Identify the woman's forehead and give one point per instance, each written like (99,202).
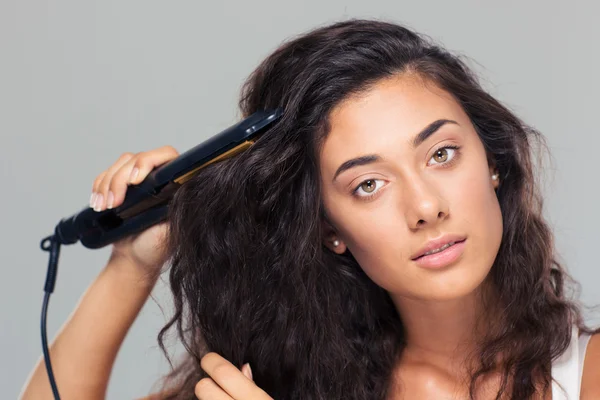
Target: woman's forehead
(392,112)
(406,103)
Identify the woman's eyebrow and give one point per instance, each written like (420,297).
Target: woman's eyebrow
(417,140)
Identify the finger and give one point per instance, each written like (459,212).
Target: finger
(147,161)
(247,371)
(231,379)
(114,184)
(96,188)
(121,179)
(207,389)
(137,169)
(102,188)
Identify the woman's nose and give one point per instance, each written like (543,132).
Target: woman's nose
(423,203)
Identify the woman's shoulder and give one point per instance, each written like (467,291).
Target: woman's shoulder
(576,372)
(590,380)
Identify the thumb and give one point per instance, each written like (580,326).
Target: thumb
(247,371)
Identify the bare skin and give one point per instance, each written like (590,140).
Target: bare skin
(419,194)
(417,199)
(115,297)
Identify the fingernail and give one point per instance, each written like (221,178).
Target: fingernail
(249,370)
(134,174)
(98,202)
(110,199)
(92,199)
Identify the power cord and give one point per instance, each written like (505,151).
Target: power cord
(52,245)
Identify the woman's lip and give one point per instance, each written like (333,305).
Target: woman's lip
(443,258)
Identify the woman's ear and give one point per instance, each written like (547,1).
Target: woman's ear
(493,169)
(331,238)
(494,177)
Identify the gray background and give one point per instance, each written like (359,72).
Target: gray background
(82,82)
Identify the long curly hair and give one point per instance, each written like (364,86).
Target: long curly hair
(252,280)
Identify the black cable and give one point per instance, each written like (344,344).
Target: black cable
(45,346)
(52,245)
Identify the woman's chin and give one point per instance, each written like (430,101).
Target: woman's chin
(453,285)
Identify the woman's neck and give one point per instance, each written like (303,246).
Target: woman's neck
(446,334)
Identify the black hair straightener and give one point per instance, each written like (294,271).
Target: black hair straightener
(146,203)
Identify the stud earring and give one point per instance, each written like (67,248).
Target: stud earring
(336,243)
(495,176)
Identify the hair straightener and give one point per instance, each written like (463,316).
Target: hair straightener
(145,204)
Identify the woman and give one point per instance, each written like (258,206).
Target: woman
(384,240)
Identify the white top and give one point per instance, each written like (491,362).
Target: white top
(568,368)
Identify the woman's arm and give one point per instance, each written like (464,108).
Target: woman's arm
(85,349)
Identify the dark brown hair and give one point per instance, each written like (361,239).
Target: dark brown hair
(252,280)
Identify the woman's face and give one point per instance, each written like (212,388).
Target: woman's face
(420,190)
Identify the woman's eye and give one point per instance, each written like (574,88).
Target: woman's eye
(444,154)
(370,187)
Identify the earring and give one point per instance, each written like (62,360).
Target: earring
(336,243)
(495,176)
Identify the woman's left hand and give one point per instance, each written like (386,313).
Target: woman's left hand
(226,382)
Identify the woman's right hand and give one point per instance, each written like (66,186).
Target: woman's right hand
(144,250)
